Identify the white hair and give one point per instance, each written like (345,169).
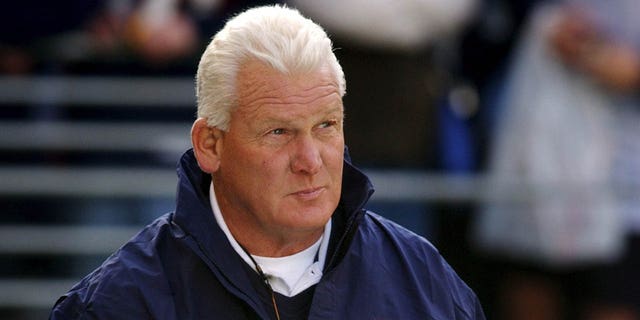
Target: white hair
(276,35)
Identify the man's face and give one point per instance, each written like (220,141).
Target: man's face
(281,160)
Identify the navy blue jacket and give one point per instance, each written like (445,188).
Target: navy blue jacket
(183,267)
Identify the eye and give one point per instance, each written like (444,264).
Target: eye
(278,131)
(328,123)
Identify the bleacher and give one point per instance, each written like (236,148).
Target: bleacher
(86,161)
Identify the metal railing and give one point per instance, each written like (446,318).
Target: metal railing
(119,92)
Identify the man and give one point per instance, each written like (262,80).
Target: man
(269,220)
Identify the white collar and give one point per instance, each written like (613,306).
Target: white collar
(288,275)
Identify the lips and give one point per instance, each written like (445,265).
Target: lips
(309,194)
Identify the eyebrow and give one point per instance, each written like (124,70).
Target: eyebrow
(336,108)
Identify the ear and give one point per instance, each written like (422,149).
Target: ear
(207,145)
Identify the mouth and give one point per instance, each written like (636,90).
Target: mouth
(309,194)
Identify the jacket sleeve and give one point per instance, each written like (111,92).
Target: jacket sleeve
(467,303)
(96,298)
(479,313)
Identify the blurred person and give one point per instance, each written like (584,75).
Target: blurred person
(28,24)
(161,33)
(602,43)
(569,133)
(54,36)
(486,44)
(270,220)
(107,36)
(157,31)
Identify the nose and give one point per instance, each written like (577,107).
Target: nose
(306,158)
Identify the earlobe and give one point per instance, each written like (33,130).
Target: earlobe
(207,145)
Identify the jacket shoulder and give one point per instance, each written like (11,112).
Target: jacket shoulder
(129,284)
(418,261)
(384,232)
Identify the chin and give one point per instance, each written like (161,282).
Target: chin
(310,219)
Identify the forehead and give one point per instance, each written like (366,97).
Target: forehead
(259,85)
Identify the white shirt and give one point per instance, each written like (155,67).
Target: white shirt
(288,275)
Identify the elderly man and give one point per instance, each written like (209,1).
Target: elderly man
(270,220)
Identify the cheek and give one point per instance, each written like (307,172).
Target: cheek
(272,163)
(270,171)
(335,156)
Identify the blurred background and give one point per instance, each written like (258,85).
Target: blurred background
(506,132)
